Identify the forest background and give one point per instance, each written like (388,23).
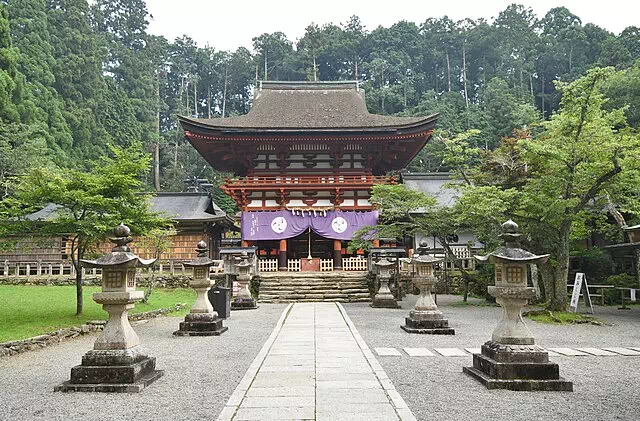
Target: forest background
(76,77)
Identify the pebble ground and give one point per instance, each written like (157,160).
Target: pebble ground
(202,373)
(434,388)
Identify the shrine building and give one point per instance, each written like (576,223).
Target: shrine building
(305,158)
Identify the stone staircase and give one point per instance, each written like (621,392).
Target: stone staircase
(286,287)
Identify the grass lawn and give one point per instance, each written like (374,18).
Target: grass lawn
(560,317)
(27,311)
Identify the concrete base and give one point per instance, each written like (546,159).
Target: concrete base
(437,331)
(201,325)
(243,304)
(437,326)
(516,367)
(119,371)
(554,385)
(384,303)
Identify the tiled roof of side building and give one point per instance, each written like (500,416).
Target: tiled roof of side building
(433,184)
(309,106)
(179,206)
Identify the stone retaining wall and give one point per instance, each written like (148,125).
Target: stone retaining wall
(164,281)
(51,338)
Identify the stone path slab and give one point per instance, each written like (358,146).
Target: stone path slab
(419,352)
(624,351)
(451,352)
(597,351)
(387,352)
(316,366)
(568,352)
(473,350)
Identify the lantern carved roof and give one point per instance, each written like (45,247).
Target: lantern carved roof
(121,254)
(423,256)
(511,252)
(203,256)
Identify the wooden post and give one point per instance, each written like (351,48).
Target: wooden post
(282,255)
(28,272)
(337,255)
(171,268)
(6,268)
(39,268)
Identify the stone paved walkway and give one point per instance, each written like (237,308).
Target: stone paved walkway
(315,366)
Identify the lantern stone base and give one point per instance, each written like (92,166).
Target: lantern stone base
(112,371)
(201,324)
(384,302)
(518,368)
(434,324)
(243,303)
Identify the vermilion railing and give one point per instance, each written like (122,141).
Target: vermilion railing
(309,181)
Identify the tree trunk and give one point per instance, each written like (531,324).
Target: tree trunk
(195,97)
(79,302)
(533,98)
(315,69)
(224,91)
(436,79)
(558,299)
(156,146)
(448,72)
(149,290)
(265,66)
(464,74)
(547,274)
(542,95)
(636,255)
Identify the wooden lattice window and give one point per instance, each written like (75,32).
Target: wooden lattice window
(131,279)
(199,273)
(113,279)
(498,273)
(515,274)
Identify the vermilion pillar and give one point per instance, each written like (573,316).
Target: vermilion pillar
(244,243)
(282,255)
(376,243)
(337,255)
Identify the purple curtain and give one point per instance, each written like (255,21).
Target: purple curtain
(277,225)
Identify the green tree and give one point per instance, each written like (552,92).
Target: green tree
(88,203)
(30,33)
(78,75)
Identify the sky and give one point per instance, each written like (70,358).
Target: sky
(227,25)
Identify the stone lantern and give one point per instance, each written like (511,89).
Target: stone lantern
(244,300)
(425,317)
(117,363)
(511,360)
(384,298)
(202,320)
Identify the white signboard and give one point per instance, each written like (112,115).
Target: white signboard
(580,285)
(577,286)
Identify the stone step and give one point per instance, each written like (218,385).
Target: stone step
(310,281)
(321,282)
(360,293)
(313,287)
(320,285)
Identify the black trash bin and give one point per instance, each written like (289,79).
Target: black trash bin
(219,298)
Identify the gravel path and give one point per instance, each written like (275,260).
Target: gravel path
(435,388)
(200,374)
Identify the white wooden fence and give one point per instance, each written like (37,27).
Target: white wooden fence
(293,265)
(326,265)
(268,265)
(354,264)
